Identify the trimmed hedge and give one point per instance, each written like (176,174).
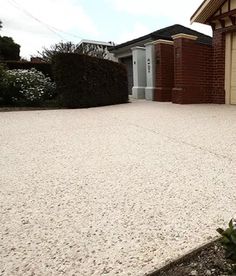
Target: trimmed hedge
(45,68)
(84,81)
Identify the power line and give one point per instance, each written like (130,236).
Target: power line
(49,27)
(15,4)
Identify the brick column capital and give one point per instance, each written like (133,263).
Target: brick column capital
(186,36)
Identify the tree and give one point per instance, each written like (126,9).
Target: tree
(9,50)
(61,47)
(69,47)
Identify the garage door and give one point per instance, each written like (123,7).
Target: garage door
(233,71)
(129,65)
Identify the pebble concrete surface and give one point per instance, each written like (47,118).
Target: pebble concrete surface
(116,190)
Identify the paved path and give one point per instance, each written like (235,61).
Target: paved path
(117,190)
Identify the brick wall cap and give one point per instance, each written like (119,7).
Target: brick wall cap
(177,36)
(162,41)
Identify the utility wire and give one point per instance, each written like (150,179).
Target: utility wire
(15,4)
(49,27)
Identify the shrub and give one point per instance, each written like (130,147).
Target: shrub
(7,91)
(3,87)
(45,68)
(10,91)
(84,81)
(3,74)
(229,240)
(28,87)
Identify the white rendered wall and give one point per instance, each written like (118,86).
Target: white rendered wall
(150,71)
(139,71)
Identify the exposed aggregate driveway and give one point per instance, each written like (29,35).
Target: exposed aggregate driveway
(117,190)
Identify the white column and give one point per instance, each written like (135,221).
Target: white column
(139,71)
(150,71)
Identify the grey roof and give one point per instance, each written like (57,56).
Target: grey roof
(166,33)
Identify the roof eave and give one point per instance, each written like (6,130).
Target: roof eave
(138,42)
(206,9)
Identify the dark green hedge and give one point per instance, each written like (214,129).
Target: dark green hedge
(84,81)
(45,68)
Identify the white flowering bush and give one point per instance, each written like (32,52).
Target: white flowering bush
(6,92)
(29,86)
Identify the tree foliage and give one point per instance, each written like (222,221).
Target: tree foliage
(69,47)
(9,50)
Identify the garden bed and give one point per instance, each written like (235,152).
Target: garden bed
(47,105)
(8,109)
(207,260)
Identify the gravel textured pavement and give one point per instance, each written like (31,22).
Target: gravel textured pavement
(116,190)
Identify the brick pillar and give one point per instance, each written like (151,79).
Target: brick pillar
(193,70)
(218,92)
(164,52)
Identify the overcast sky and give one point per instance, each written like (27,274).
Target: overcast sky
(37,23)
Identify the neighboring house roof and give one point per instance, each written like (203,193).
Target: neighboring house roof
(206,9)
(165,33)
(109,44)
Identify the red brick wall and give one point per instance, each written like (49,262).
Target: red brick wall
(193,72)
(218,91)
(164,72)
